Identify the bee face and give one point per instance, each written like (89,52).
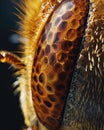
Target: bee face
(61,64)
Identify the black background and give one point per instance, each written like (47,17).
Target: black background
(10,112)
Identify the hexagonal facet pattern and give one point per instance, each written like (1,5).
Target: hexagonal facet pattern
(55,59)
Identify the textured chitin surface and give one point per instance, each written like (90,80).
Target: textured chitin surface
(85,101)
(55,59)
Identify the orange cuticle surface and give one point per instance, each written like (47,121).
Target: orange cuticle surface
(55,59)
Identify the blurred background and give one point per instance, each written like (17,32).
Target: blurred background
(10,112)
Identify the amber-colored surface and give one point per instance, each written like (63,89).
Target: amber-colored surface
(54,60)
(7,57)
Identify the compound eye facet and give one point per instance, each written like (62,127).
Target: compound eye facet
(60,41)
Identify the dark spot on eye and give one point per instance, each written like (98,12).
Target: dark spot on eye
(62,76)
(67,15)
(33,70)
(60,87)
(57,37)
(47,103)
(43,37)
(33,88)
(52,59)
(52,98)
(55,46)
(57,21)
(45,60)
(35,60)
(62,26)
(37,98)
(42,78)
(66,45)
(57,67)
(35,78)
(49,88)
(38,68)
(61,57)
(38,50)
(47,49)
(39,89)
